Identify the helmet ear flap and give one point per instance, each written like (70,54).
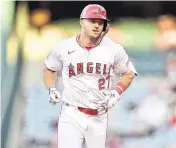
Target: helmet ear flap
(105,25)
(105,31)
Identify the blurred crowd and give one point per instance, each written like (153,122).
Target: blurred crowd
(166,38)
(39,34)
(152,116)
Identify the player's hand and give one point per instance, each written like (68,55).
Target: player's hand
(112,97)
(54,96)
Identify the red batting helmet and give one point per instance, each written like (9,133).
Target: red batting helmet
(95,11)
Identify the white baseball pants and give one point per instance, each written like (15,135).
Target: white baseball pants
(76,129)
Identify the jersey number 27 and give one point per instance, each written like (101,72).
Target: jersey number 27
(102,81)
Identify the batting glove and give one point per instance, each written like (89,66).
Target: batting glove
(54,96)
(113,97)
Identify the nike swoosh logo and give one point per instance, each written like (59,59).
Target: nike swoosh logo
(69,52)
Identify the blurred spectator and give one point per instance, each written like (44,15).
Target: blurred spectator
(41,35)
(166,38)
(40,17)
(152,111)
(156,108)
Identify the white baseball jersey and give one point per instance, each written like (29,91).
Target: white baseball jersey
(87,73)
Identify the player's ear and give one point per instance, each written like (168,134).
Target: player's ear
(81,22)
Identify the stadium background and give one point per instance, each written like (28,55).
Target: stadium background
(146,115)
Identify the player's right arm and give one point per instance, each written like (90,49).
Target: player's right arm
(52,64)
(49,77)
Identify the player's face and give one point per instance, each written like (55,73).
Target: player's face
(92,27)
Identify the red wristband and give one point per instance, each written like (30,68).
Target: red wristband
(120,88)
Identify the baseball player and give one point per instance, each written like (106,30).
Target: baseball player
(88,63)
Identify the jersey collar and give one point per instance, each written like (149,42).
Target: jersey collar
(96,44)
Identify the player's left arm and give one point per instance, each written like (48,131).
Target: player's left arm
(124,67)
(124,82)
